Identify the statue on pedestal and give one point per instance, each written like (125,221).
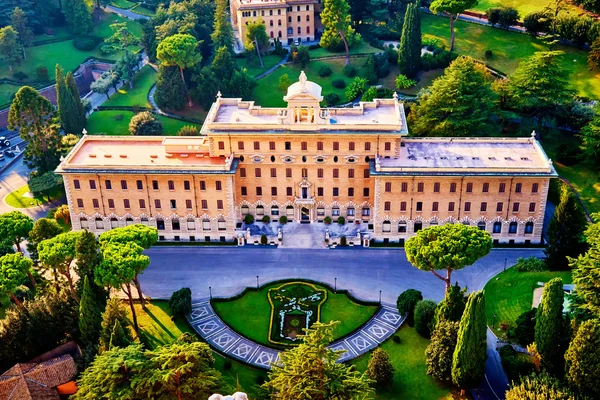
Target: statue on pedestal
(235,396)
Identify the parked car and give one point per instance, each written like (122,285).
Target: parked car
(10,153)
(297,42)
(1,156)
(4,142)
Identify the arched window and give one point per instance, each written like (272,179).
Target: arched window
(512,227)
(278,22)
(350,212)
(84,223)
(221,224)
(99,223)
(497,227)
(279,34)
(271,34)
(274,210)
(144,221)
(417,226)
(114,223)
(191,224)
(387,226)
(529,227)
(402,227)
(433,223)
(290,31)
(299,30)
(260,210)
(366,211)
(481,225)
(206,224)
(245,210)
(308,17)
(289,210)
(308,29)
(466,223)
(128,221)
(335,212)
(271,23)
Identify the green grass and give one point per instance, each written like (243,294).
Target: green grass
(361,48)
(254,69)
(6,93)
(426,78)
(410,378)
(141,9)
(255,307)
(17,198)
(160,329)
(138,96)
(267,93)
(510,293)
(125,4)
(104,123)
(509,48)
(524,7)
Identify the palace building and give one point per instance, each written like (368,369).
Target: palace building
(288,20)
(308,163)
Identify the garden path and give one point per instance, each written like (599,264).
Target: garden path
(125,13)
(209,326)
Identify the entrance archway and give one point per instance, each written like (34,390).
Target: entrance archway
(305,215)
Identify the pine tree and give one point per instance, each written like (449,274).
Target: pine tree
(565,232)
(583,359)
(118,337)
(89,315)
(115,312)
(409,54)
(64,99)
(550,327)
(380,368)
(370,73)
(20,22)
(441,348)
(78,16)
(79,119)
(590,138)
(223,66)
(335,18)
(222,30)
(10,49)
(468,360)
(170,91)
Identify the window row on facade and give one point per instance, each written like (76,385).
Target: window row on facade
(497,227)
(158,205)
(287,146)
(469,187)
(289,191)
(335,173)
(274,210)
(263,13)
(139,185)
(174,224)
(435,206)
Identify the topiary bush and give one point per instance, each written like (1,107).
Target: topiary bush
(349,71)
(283,220)
(325,71)
(530,264)
(266,219)
(338,83)
(341,220)
(406,303)
(331,99)
(396,339)
(424,314)
(181,302)
(86,43)
(327,220)
(263,239)
(343,241)
(249,219)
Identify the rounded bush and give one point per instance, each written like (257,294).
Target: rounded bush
(266,219)
(331,99)
(283,220)
(327,220)
(145,124)
(181,302)
(325,70)
(406,303)
(338,83)
(349,71)
(263,239)
(249,219)
(341,220)
(343,241)
(86,43)
(424,314)
(20,76)
(489,54)
(396,339)
(530,264)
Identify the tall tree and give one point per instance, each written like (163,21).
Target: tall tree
(566,231)
(380,368)
(122,38)
(90,316)
(57,254)
(20,22)
(441,349)
(14,268)
(256,40)
(311,370)
(179,50)
(15,227)
(452,8)
(43,228)
(79,109)
(335,18)
(468,360)
(447,247)
(170,89)
(119,267)
(424,316)
(64,100)
(407,302)
(223,65)
(538,386)
(583,359)
(586,277)
(409,53)
(79,16)
(459,103)
(33,115)
(222,35)
(453,305)
(549,326)
(590,138)
(114,313)
(10,49)
(87,255)
(118,337)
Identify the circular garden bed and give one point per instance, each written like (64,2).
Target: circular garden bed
(277,312)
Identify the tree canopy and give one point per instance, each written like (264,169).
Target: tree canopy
(583,359)
(409,53)
(10,49)
(337,28)
(57,254)
(549,326)
(79,16)
(20,22)
(13,270)
(45,184)
(538,386)
(222,35)
(453,8)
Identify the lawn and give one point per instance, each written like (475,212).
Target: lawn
(426,78)
(509,48)
(410,378)
(107,123)
(510,293)
(362,48)
(123,4)
(254,306)
(268,94)
(6,93)
(141,9)
(254,69)
(138,96)
(524,7)
(160,329)
(21,198)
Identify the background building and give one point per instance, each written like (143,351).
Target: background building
(307,163)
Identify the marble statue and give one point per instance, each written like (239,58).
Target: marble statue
(235,396)
(303,80)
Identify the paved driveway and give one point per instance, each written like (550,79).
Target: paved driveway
(363,271)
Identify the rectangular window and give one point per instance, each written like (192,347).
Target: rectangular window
(242,173)
(256,145)
(288,172)
(186,185)
(350,192)
(273,191)
(272,146)
(258,191)
(76,184)
(531,207)
(108,184)
(126,204)
(257,172)
(420,187)
(154,185)
(218,185)
(157,204)
(244,191)
(486,187)
(319,172)
(366,192)
(483,207)
(469,187)
(388,146)
(451,206)
(419,206)
(388,186)
(80,203)
(95,203)
(305,172)
(273,172)
(202,185)
(502,188)
(221,145)
(367,146)
(139,185)
(142,204)
(336,146)
(518,187)
(288,191)
(171,185)
(515,207)
(535,187)
(404,188)
(320,191)
(288,145)
(304,146)
(204,204)
(319,146)
(240,145)
(188,204)
(336,173)
(219,204)
(351,173)
(453,187)
(351,146)
(175,225)
(436,187)
(434,206)
(402,206)
(467,206)
(499,207)
(387,206)
(111,203)
(336,191)
(367,173)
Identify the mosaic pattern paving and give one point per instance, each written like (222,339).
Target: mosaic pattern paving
(210,327)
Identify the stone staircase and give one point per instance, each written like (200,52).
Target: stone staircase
(303,236)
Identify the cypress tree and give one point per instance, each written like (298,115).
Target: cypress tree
(222,30)
(566,231)
(370,72)
(118,337)
(64,100)
(453,305)
(89,315)
(409,54)
(440,350)
(468,360)
(549,327)
(115,312)
(583,359)
(79,119)
(170,90)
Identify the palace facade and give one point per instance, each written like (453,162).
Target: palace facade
(308,163)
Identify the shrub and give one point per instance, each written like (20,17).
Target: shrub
(227,365)
(524,332)
(406,303)
(380,368)
(266,219)
(145,124)
(396,339)
(440,59)
(263,239)
(86,43)
(424,314)
(403,82)
(430,43)
(370,94)
(515,364)
(283,220)
(343,241)
(327,220)
(493,15)
(536,22)
(349,71)
(107,49)
(341,220)
(331,99)
(314,46)
(530,264)
(42,73)
(180,302)
(188,131)
(489,54)
(338,83)
(300,55)
(356,88)
(508,17)
(20,76)
(249,219)
(284,82)
(383,70)
(325,71)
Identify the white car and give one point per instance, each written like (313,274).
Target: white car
(297,42)
(4,142)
